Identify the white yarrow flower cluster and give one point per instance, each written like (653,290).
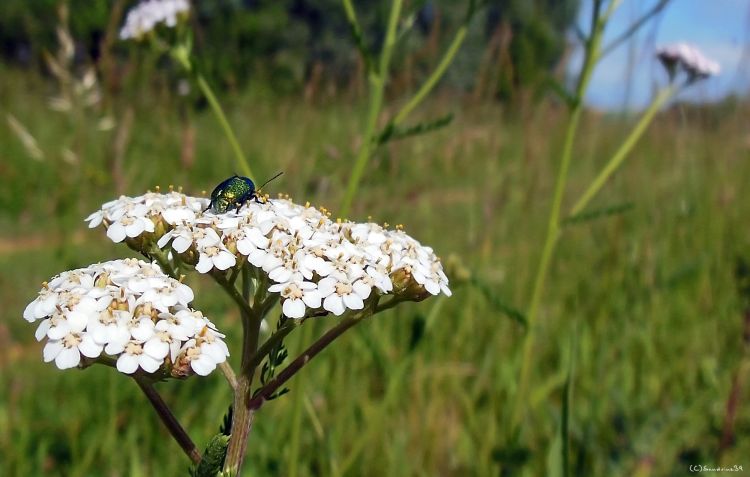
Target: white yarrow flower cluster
(145,16)
(316,265)
(126,311)
(683,57)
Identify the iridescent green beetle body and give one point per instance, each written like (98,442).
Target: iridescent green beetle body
(235,192)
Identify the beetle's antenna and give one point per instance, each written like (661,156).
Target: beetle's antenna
(269,180)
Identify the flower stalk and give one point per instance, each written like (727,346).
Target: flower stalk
(247,403)
(378,80)
(622,152)
(181,54)
(598,22)
(170,421)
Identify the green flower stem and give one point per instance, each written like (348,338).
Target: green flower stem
(181,54)
(224,123)
(428,85)
(236,272)
(553,226)
(272,341)
(169,420)
(161,258)
(378,81)
(625,148)
(233,294)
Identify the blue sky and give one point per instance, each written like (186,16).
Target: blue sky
(719,28)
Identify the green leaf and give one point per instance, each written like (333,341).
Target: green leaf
(213,458)
(391,132)
(588,215)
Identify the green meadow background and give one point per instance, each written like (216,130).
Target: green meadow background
(642,318)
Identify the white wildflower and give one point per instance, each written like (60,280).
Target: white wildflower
(295,295)
(302,252)
(145,16)
(124,310)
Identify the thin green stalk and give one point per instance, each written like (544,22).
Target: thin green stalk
(625,148)
(234,295)
(378,81)
(351,17)
(161,258)
(252,323)
(221,117)
(553,225)
(272,341)
(428,85)
(181,54)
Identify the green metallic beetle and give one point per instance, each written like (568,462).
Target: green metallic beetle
(235,192)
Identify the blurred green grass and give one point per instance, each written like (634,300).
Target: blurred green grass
(424,389)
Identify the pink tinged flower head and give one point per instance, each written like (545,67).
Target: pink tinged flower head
(687,58)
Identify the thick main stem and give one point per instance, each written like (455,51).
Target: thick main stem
(242,422)
(242,417)
(245,404)
(553,224)
(378,81)
(169,420)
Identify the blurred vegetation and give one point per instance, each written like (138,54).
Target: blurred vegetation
(296,44)
(643,339)
(424,389)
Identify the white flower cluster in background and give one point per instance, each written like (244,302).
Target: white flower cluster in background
(145,16)
(681,56)
(314,263)
(128,312)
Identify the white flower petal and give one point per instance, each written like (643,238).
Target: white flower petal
(89,347)
(68,358)
(116,232)
(334,304)
(156,348)
(353,302)
(127,363)
(203,365)
(51,350)
(293,308)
